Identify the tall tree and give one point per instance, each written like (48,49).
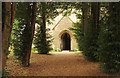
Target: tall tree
(32,30)
(109,40)
(8,11)
(46,11)
(26,27)
(86,31)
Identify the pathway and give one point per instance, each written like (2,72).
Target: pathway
(56,64)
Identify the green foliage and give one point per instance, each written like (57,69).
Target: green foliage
(90,47)
(21,34)
(90,43)
(46,11)
(86,43)
(21,41)
(109,41)
(34,50)
(78,34)
(49,9)
(42,46)
(109,47)
(104,46)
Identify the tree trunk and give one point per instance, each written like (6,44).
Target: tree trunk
(85,16)
(7,24)
(13,9)
(95,16)
(119,18)
(44,25)
(114,15)
(32,29)
(43,29)
(5,31)
(43,20)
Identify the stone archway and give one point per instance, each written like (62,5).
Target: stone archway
(65,41)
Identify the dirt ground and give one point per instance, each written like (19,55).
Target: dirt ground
(55,64)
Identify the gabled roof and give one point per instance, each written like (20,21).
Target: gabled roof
(60,21)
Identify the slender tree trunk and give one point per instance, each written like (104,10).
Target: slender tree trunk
(32,29)
(85,16)
(43,29)
(44,20)
(28,29)
(13,9)
(44,25)
(95,16)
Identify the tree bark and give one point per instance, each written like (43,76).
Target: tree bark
(32,30)
(13,9)
(114,15)
(85,17)
(5,31)
(43,28)
(32,27)
(8,18)
(95,16)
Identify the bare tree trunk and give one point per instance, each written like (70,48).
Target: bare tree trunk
(85,16)
(8,15)
(5,31)
(43,29)
(95,16)
(28,20)
(32,29)
(13,9)
(44,25)
(43,20)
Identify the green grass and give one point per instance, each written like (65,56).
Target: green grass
(35,51)
(78,52)
(52,51)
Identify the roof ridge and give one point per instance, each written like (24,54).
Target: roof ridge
(57,23)
(60,20)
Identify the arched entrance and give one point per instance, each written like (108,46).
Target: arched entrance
(65,41)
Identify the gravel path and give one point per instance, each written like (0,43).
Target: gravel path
(55,64)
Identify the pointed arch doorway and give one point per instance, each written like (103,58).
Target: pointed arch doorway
(65,41)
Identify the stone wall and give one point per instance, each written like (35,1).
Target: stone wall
(63,26)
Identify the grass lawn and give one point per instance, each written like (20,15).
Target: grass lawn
(78,52)
(51,51)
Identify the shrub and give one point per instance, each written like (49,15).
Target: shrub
(43,45)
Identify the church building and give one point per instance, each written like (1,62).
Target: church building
(63,37)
